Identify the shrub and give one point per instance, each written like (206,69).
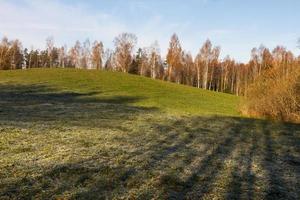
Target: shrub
(275,94)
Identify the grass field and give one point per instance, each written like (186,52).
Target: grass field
(75,134)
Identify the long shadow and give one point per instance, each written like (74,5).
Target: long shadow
(42,104)
(98,177)
(250,178)
(121,173)
(172,136)
(213,164)
(159,152)
(290,140)
(242,174)
(66,177)
(277,186)
(274,163)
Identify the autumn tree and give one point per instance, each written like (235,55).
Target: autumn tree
(266,58)
(174,57)
(124,46)
(97,55)
(275,93)
(5,54)
(205,71)
(74,54)
(11,54)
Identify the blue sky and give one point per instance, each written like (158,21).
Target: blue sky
(235,25)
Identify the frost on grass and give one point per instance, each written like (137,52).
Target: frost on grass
(77,146)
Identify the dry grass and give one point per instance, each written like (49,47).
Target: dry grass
(67,145)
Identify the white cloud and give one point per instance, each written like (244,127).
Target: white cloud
(36,20)
(32,21)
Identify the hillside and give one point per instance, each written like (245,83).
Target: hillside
(139,91)
(76,134)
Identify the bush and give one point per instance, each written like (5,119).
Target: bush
(275,94)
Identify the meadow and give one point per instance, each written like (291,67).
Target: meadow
(87,134)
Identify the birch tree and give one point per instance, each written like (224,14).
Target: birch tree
(124,46)
(86,54)
(174,58)
(108,59)
(188,69)
(76,54)
(62,56)
(155,60)
(97,55)
(50,47)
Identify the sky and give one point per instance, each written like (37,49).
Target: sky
(235,25)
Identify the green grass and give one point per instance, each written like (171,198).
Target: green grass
(140,91)
(77,134)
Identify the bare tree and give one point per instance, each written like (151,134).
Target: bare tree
(124,46)
(86,54)
(62,56)
(50,47)
(4,53)
(74,55)
(198,64)
(205,71)
(97,55)
(188,69)
(174,57)
(143,62)
(214,61)
(225,70)
(108,59)
(203,60)
(16,61)
(154,60)
(11,54)
(205,55)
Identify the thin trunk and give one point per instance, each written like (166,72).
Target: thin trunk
(205,76)
(198,77)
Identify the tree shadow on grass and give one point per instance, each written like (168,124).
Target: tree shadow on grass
(45,105)
(181,158)
(278,170)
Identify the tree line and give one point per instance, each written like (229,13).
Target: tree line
(206,70)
